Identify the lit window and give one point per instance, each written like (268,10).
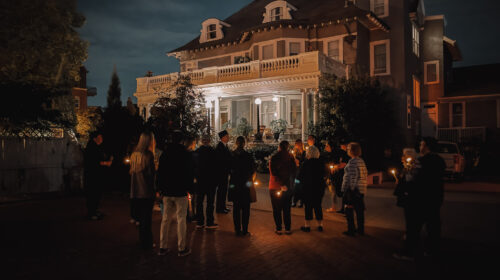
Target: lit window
(268,112)
(294,48)
(431,70)
(276,14)
(416,92)
(380,58)
(457,114)
(380,7)
(211,32)
(296,113)
(239,109)
(416,39)
(334,50)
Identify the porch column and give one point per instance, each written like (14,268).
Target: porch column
(304,114)
(217,115)
(316,106)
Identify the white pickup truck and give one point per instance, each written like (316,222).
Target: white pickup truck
(455,161)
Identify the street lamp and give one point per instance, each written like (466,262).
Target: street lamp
(258,136)
(208,105)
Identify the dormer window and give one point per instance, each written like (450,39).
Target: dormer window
(276,14)
(278,10)
(212,30)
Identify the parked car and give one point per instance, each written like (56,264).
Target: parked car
(455,161)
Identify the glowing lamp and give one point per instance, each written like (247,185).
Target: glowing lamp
(278,193)
(256,183)
(258,101)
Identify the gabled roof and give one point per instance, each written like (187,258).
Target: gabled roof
(309,12)
(475,80)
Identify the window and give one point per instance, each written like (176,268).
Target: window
(380,7)
(296,113)
(268,112)
(211,32)
(457,115)
(334,49)
(276,14)
(431,72)
(294,48)
(267,52)
(240,109)
(224,116)
(380,58)
(416,92)
(416,39)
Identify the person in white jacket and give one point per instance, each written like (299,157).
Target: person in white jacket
(354,189)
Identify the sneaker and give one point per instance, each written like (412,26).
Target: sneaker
(288,232)
(247,234)
(184,252)
(163,252)
(305,229)
(403,257)
(349,233)
(278,232)
(212,226)
(320,228)
(200,226)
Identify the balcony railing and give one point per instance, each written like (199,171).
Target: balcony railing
(462,134)
(310,62)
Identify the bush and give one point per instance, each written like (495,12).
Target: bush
(262,154)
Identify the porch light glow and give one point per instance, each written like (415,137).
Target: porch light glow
(258,101)
(275,99)
(208,105)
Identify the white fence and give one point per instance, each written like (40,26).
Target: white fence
(461,135)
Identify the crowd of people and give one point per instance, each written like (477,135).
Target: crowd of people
(186,179)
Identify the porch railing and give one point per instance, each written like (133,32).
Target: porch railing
(462,134)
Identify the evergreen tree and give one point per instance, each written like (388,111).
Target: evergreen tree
(114,92)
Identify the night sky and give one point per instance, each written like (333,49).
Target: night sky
(135,35)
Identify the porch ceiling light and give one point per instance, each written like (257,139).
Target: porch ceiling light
(258,101)
(275,98)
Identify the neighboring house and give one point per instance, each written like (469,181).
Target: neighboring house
(276,51)
(469,112)
(81,92)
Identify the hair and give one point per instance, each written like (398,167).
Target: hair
(284,145)
(177,137)
(312,137)
(138,159)
(355,149)
(240,142)
(431,143)
(312,152)
(298,141)
(205,140)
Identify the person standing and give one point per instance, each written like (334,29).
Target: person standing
(176,176)
(424,201)
(142,193)
(223,158)
(242,172)
(206,183)
(95,167)
(300,156)
(312,178)
(335,160)
(282,166)
(190,144)
(354,189)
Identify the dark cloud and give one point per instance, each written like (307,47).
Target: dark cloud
(135,35)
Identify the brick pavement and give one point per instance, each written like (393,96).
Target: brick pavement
(50,240)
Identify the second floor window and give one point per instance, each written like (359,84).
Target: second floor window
(416,39)
(211,32)
(334,50)
(380,7)
(267,52)
(380,58)
(431,72)
(294,48)
(276,14)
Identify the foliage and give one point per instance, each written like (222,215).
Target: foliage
(356,110)
(179,107)
(40,56)
(114,92)
(244,128)
(262,154)
(279,126)
(87,122)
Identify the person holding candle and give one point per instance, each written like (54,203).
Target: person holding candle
(242,173)
(312,178)
(282,166)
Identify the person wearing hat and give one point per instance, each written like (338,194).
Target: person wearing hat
(206,184)
(223,168)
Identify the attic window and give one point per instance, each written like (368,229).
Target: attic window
(276,14)
(278,10)
(212,32)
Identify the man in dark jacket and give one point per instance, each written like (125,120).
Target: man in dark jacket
(223,163)
(175,180)
(425,198)
(95,164)
(206,183)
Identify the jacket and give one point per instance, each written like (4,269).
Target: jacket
(176,171)
(242,170)
(282,167)
(428,187)
(355,175)
(205,168)
(223,160)
(312,179)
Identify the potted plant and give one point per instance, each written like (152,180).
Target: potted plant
(278,127)
(244,128)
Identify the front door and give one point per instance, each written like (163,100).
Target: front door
(429,120)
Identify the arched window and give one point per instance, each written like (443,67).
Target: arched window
(278,10)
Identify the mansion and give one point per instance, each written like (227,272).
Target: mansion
(273,53)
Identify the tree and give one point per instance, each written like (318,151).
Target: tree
(88,121)
(114,92)
(358,110)
(40,57)
(179,107)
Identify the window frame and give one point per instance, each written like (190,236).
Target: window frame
(415,36)
(417,91)
(339,48)
(278,16)
(211,32)
(438,77)
(387,57)
(386,8)
(273,46)
(290,48)
(289,111)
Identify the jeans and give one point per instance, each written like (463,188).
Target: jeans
(222,192)
(144,213)
(241,216)
(281,204)
(177,206)
(358,206)
(314,204)
(200,197)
